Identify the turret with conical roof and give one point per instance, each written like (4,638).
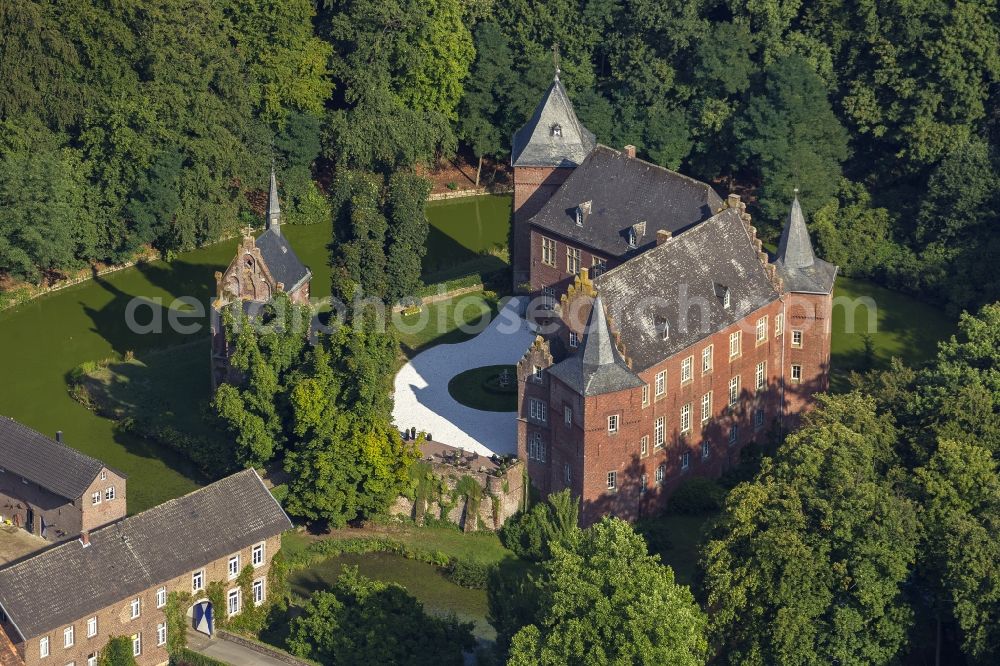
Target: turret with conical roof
(799,267)
(554,136)
(598,367)
(273,207)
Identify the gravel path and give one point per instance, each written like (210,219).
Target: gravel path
(421,387)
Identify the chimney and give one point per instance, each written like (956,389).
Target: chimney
(662,236)
(59,436)
(630,151)
(733,200)
(85,539)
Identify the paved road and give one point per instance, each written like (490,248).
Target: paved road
(421,387)
(228,652)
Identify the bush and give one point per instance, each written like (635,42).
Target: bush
(697,495)
(468,573)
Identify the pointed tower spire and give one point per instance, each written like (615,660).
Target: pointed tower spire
(598,348)
(273,208)
(555,58)
(795,249)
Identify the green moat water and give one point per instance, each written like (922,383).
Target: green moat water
(42,341)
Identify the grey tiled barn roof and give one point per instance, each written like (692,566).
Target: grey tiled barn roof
(69,582)
(796,262)
(281,259)
(536,144)
(624,191)
(39,459)
(598,367)
(696,267)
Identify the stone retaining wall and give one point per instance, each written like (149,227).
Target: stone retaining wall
(262,648)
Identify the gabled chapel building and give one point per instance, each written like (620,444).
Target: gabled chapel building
(670,339)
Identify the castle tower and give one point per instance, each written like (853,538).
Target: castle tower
(543,154)
(808,281)
(273,207)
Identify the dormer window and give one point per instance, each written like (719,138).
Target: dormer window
(726,298)
(557,130)
(665,330)
(662,326)
(632,240)
(582,211)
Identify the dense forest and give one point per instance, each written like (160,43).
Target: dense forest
(127,124)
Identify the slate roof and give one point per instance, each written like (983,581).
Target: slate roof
(37,458)
(281,259)
(796,262)
(694,268)
(598,367)
(536,145)
(624,191)
(68,581)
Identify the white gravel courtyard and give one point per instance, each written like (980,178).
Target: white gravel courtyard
(421,387)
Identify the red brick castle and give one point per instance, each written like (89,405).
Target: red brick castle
(670,338)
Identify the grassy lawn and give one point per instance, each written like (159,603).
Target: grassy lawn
(480,388)
(899,325)
(443,322)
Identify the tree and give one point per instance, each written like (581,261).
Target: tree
(357,258)
(406,238)
(532,534)
(790,131)
(961,497)
(481,117)
(605,600)
(362,621)
(809,561)
(117,652)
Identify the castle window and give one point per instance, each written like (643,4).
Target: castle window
(572,260)
(797,339)
(137,645)
(613,424)
(109,494)
(537,410)
(665,330)
(779,324)
(762,329)
(43,647)
(567,474)
(734,433)
(598,266)
(734,344)
(574,340)
(568,415)
(761,375)
(92,627)
(796,374)
(659,433)
(642,484)
(136,607)
(536,375)
(582,211)
(161,597)
(612,480)
(661,471)
(734,390)
(104,475)
(758,418)
(705,450)
(258,592)
(257,555)
(686,417)
(68,638)
(645,395)
(685,460)
(644,446)
(161,633)
(661,382)
(687,370)
(96,498)
(706,359)
(726,298)
(536,448)
(234,566)
(706,407)
(557,130)
(548,251)
(198,580)
(548,298)
(632,240)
